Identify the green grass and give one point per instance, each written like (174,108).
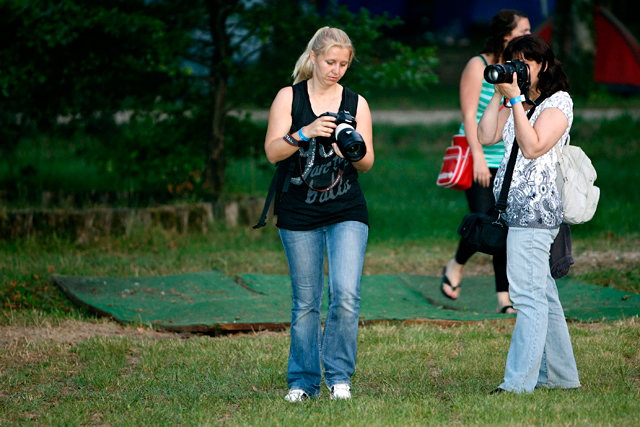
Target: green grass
(406,375)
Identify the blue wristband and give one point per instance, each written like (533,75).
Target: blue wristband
(513,101)
(301,135)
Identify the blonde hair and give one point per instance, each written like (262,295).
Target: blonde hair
(323,40)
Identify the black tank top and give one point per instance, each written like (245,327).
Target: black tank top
(324,188)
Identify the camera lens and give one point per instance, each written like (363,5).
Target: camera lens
(354,150)
(350,143)
(499,73)
(493,75)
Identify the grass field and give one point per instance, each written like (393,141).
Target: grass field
(406,374)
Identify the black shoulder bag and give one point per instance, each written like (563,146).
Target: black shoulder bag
(487,232)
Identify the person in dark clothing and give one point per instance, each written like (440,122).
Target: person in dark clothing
(475,94)
(322,209)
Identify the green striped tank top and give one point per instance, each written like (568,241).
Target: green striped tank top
(493,153)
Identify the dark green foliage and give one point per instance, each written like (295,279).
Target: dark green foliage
(87,56)
(85,60)
(380,62)
(244,139)
(156,155)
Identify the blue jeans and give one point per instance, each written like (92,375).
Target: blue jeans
(345,243)
(540,354)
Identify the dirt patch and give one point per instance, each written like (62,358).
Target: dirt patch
(72,332)
(592,260)
(585,262)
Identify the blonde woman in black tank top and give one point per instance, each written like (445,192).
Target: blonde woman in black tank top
(321,208)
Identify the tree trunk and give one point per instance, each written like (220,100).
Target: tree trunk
(216,162)
(574,42)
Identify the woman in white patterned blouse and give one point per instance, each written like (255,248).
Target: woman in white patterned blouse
(540,354)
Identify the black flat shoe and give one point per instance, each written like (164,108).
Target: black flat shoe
(445,281)
(498,391)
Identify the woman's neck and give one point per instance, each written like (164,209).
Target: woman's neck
(320,90)
(534,93)
(324,98)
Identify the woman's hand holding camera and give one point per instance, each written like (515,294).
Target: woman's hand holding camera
(509,90)
(323,126)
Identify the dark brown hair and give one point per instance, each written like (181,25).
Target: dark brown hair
(501,26)
(534,48)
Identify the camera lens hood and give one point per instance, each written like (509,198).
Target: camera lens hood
(341,127)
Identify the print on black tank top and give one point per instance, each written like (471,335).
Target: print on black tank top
(306,206)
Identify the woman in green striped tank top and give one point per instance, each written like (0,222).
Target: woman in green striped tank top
(475,94)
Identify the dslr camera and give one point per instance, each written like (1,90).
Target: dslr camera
(349,141)
(503,73)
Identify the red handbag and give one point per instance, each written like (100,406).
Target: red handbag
(457,166)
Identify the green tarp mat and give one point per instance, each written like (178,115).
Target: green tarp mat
(210,301)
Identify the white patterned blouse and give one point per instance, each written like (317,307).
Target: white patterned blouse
(534,201)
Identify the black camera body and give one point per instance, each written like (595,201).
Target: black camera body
(349,141)
(503,73)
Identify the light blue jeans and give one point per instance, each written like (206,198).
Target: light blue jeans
(540,354)
(345,244)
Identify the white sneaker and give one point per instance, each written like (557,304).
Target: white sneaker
(296,395)
(340,391)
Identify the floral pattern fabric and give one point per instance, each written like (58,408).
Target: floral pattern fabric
(533,200)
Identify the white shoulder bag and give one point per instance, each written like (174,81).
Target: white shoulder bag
(575,181)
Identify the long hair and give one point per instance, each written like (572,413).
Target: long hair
(534,48)
(323,40)
(501,26)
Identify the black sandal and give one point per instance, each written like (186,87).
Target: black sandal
(504,309)
(445,281)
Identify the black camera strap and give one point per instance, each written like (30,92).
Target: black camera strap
(321,190)
(501,203)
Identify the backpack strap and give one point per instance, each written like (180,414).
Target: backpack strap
(296,105)
(350,99)
(281,178)
(267,202)
(561,158)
